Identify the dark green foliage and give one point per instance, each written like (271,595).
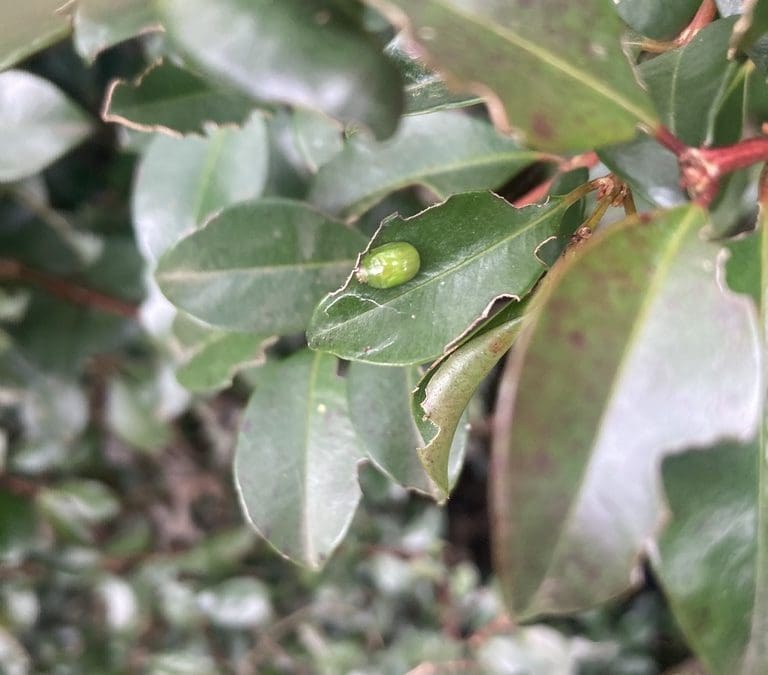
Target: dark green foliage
(260,264)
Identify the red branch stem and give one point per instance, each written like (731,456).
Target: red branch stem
(13,270)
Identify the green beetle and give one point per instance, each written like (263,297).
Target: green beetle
(389,265)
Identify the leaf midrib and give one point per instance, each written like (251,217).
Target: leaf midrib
(552,60)
(556,206)
(309,547)
(192,275)
(660,274)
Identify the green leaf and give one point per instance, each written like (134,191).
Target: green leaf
(751,26)
(99,24)
(731,108)
(490,254)
(338,68)
(447,152)
(425,90)
(173,100)
(17,528)
(27,27)
(746,272)
(297,478)
(658,19)
(38,124)
(380,410)
(558,72)
(551,250)
(82,333)
(649,168)
(237,603)
(707,552)
(260,266)
(211,357)
(53,412)
(576,493)
(138,409)
(181,182)
(444,393)
(75,506)
(317,136)
(686,84)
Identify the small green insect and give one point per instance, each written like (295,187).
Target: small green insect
(389,265)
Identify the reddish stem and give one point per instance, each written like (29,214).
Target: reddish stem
(703,17)
(702,168)
(730,158)
(14,270)
(669,140)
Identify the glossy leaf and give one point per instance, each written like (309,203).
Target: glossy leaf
(297,479)
(575,487)
(380,410)
(543,53)
(99,24)
(446,152)
(746,273)
(573,217)
(27,27)
(658,19)
(173,100)
(649,168)
(181,182)
(211,357)
(259,266)
(686,83)
(425,90)
(444,393)
(490,254)
(339,68)
(707,552)
(38,124)
(731,107)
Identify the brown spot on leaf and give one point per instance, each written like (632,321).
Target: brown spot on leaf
(577,339)
(497,346)
(542,126)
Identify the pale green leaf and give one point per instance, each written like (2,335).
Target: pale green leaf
(182,181)
(447,152)
(38,124)
(29,26)
(296,458)
(259,266)
(99,24)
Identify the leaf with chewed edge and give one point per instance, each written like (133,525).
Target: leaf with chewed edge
(491,254)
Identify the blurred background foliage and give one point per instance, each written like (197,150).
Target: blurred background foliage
(122,546)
